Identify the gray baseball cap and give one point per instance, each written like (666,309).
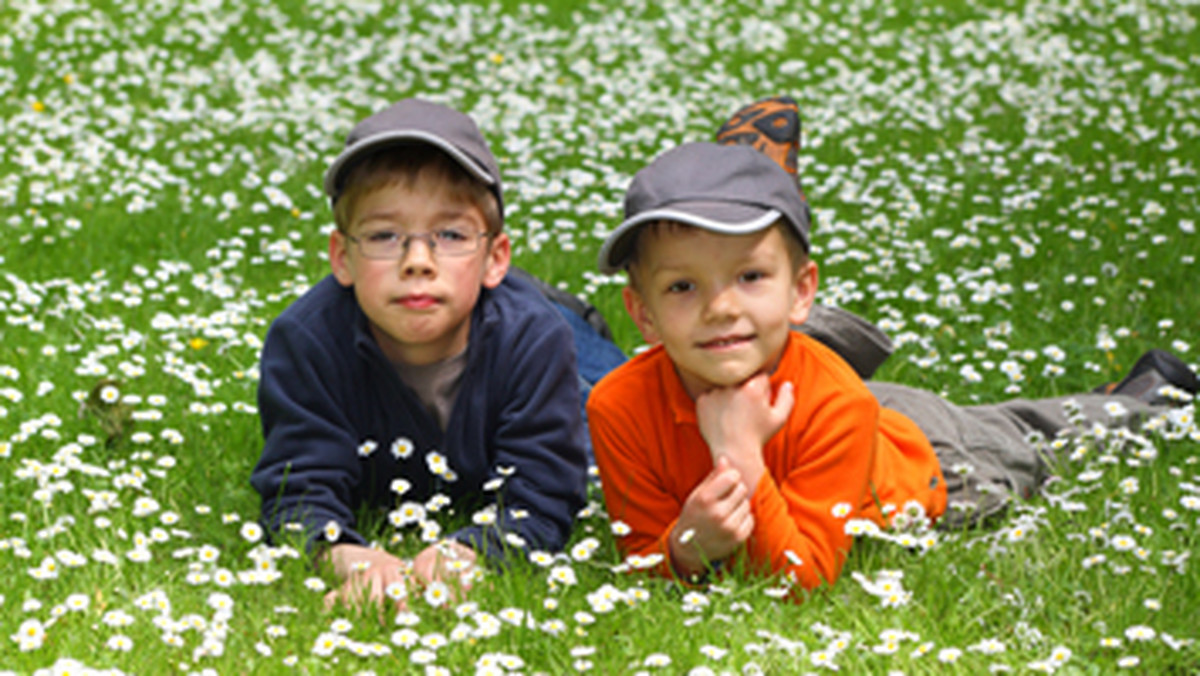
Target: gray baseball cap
(734,190)
(420,121)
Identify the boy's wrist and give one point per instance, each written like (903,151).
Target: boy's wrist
(686,562)
(746,460)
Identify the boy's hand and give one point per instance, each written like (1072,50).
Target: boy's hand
(447,561)
(737,421)
(375,576)
(368,576)
(715,521)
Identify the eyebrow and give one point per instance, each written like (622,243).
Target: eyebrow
(662,273)
(394,215)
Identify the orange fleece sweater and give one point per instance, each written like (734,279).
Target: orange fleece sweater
(838,447)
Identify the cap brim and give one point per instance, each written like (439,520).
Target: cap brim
(720,217)
(369,145)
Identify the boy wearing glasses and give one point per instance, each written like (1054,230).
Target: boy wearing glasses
(419,375)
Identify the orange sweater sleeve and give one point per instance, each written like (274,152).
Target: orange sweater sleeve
(634,493)
(649,455)
(822,458)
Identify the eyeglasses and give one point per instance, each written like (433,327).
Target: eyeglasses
(389,245)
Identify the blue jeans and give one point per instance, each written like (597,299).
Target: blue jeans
(595,356)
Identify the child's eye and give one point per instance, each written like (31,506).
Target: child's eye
(753,276)
(680,287)
(450,235)
(381,237)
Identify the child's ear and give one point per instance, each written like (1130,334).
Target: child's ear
(499,256)
(636,307)
(339,256)
(805,292)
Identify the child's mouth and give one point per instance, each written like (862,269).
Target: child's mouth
(417,301)
(725,342)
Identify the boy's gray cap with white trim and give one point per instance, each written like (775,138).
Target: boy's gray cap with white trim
(419,121)
(734,190)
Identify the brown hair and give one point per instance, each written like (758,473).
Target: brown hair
(797,253)
(400,165)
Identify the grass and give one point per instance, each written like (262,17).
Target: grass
(1009,187)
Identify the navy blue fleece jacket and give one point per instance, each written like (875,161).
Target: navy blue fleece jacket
(326,389)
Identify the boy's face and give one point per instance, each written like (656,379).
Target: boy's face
(721,305)
(420,304)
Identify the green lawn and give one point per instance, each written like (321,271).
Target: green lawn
(1009,188)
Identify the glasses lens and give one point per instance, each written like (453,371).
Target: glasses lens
(445,242)
(455,242)
(381,244)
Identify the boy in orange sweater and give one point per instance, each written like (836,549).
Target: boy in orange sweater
(735,433)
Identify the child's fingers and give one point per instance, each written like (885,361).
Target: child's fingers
(369,589)
(444,561)
(724,523)
(721,466)
(723,484)
(728,503)
(724,472)
(752,386)
(351,593)
(741,521)
(745,529)
(709,503)
(785,398)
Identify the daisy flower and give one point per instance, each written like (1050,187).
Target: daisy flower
(437,464)
(657,660)
(77,603)
(30,635)
(422,656)
(407,618)
(251,531)
(823,659)
(949,655)
(332,531)
(563,575)
(434,641)
(119,643)
(541,558)
(402,448)
(396,591)
(1060,655)
(437,594)
(713,652)
(694,602)
(405,638)
(582,551)
(1140,632)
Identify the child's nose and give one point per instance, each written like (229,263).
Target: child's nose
(721,305)
(418,258)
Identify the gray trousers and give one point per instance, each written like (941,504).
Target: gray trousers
(987,452)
